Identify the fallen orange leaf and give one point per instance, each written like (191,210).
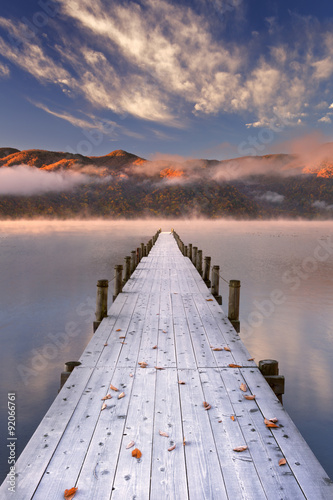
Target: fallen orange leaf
(118,330)
(234,366)
(165,434)
(227,349)
(243,387)
(181,382)
(123,337)
(130,445)
(172,447)
(184,442)
(159,368)
(240,448)
(113,388)
(136,453)
(104,406)
(206,405)
(270,424)
(209,300)
(250,397)
(232,418)
(217,349)
(155,347)
(123,343)
(108,396)
(121,395)
(106,344)
(143,364)
(283,461)
(69,494)
(251,359)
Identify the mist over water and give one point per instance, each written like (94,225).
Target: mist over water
(49,271)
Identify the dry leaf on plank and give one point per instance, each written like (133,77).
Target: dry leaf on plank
(136,453)
(250,397)
(69,494)
(114,388)
(104,406)
(240,448)
(232,365)
(172,447)
(243,387)
(108,396)
(227,349)
(121,395)
(130,445)
(283,461)
(165,434)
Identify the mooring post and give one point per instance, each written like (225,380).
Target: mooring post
(190,252)
(194,255)
(207,272)
(142,254)
(138,255)
(216,284)
(185,251)
(270,370)
(133,263)
(101,302)
(233,306)
(127,269)
(118,280)
(69,367)
(199,262)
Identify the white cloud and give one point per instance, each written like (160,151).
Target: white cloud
(4,71)
(325,119)
(272,197)
(25,180)
(157,60)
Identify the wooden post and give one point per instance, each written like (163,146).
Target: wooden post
(207,272)
(216,284)
(101,302)
(270,370)
(194,255)
(133,263)
(233,307)
(190,251)
(69,367)
(142,250)
(138,255)
(127,269)
(199,262)
(118,280)
(185,251)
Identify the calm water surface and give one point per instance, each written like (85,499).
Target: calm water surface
(48,283)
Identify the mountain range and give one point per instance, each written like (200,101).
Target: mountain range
(36,183)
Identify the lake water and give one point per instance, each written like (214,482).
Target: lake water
(48,281)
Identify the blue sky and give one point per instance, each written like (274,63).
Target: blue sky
(202,78)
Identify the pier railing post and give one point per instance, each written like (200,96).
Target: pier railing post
(190,252)
(133,259)
(207,272)
(185,251)
(138,256)
(127,269)
(142,253)
(194,255)
(69,367)
(118,280)
(233,305)
(216,284)
(199,262)
(101,302)
(270,370)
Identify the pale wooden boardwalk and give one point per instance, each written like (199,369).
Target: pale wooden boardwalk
(165,304)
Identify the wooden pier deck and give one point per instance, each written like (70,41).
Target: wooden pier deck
(167,318)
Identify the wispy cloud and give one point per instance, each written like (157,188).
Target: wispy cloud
(160,61)
(25,180)
(4,71)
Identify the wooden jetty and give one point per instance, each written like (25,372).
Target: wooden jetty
(182,373)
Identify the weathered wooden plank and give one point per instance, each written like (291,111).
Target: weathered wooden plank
(168,475)
(239,471)
(98,470)
(204,475)
(310,475)
(183,341)
(132,478)
(36,456)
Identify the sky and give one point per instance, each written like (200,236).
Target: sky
(202,78)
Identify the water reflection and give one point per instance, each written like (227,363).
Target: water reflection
(48,279)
